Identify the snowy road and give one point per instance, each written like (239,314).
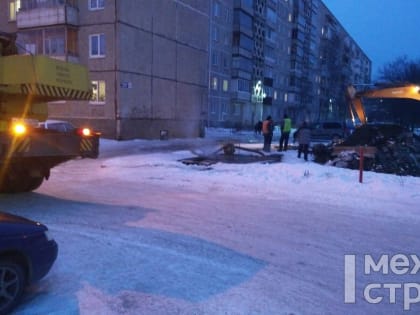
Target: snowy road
(145,234)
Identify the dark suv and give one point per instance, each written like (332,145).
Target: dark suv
(327,130)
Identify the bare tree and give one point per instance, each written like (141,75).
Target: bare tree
(401,70)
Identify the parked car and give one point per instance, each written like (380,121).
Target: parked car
(328,130)
(58,125)
(64,126)
(27,253)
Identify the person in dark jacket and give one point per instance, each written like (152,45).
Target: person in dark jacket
(267,131)
(303,137)
(258,127)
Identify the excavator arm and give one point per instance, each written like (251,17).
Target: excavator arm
(355,98)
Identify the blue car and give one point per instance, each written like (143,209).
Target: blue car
(27,253)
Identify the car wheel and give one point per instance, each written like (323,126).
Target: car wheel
(12,282)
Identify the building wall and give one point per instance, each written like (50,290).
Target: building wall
(155,68)
(343,62)
(220,110)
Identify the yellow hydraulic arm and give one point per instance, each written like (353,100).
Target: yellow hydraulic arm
(409,91)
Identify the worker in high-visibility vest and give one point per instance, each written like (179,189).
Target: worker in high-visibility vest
(267,131)
(285,128)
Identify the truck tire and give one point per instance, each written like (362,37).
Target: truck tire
(33,183)
(18,182)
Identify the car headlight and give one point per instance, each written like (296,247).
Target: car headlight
(18,128)
(48,235)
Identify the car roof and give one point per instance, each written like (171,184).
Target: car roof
(54,121)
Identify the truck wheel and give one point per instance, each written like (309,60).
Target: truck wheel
(18,182)
(12,282)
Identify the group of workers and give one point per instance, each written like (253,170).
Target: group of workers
(302,135)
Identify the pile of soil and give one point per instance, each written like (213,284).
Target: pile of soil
(397,150)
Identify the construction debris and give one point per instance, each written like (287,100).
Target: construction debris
(387,148)
(228,153)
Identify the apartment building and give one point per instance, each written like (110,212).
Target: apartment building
(172,67)
(288,57)
(148,60)
(342,62)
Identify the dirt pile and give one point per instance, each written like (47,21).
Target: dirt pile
(397,150)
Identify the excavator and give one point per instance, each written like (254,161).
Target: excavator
(384,138)
(356,98)
(28,82)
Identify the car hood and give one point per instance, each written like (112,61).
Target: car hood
(9,222)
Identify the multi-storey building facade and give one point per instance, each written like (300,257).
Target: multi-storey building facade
(288,57)
(179,65)
(148,60)
(259,69)
(341,62)
(220,62)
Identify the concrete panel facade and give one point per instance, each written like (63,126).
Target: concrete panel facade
(154,67)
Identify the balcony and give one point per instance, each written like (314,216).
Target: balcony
(47,15)
(241,96)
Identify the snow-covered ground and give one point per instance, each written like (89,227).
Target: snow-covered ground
(141,233)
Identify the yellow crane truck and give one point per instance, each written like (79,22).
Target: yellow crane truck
(27,83)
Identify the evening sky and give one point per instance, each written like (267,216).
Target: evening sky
(383,29)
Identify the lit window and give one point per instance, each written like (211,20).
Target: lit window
(225,85)
(98,92)
(14,6)
(214,83)
(96,4)
(97,45)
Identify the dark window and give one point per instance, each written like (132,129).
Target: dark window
(332,125)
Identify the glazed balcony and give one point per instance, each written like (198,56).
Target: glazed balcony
(35,13)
